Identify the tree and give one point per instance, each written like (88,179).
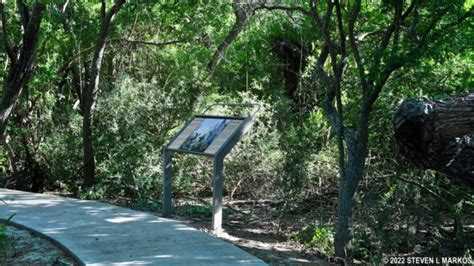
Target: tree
(242,12)
(89,91)
(355,38)
(21,56)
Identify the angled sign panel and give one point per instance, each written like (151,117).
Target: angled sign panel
(205,135)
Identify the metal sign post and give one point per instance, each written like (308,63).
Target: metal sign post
(167,182)
(211,136)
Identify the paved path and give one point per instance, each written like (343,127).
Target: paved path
(98,233)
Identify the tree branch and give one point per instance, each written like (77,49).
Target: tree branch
(361,37)
(410,8)
(398,61)
(431,192)
(284,8)
(328,50)
(150,43)
(397,23)
(448,27)
(20,70)
(103,9)
(360,66)
(100,46)
(146,42)
(333,90)
(24,13)
(340,28)
(241,20)
(374,69)
(6,38)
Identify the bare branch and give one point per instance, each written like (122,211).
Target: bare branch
(62,7)
(146,42)
(284,8)
(361,37)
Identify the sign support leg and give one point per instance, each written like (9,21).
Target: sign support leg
(167,182)
(218,181)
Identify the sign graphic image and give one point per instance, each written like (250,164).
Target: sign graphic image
(200,139)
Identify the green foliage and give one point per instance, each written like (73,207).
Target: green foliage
(4,241)
(148,91)
(198,210)
(194,210)
(319,237)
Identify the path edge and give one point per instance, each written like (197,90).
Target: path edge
(57,243)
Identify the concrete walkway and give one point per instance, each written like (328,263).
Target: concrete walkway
(98,233)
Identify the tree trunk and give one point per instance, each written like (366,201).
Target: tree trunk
(293,55)
(12,159)
(32,169)
(21,64)
(438,134)
(355,166)
(343,237)
(90,90)
(88,148)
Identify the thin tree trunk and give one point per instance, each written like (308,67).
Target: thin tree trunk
(347,188)
(242,12)
(12,159)
(356,147)
(343,237)
(33,168)
(90,90)
(88,148)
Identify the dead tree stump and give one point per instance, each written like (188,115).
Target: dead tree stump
(438,134)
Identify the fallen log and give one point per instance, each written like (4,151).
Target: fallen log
(438,134)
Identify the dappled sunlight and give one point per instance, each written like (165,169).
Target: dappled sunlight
(118,220)
(158,221)
(55,230)
(99,233)
(163,256)
(182,227)
(132,262)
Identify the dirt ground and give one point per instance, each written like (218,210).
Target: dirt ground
(24,248)
(253,227)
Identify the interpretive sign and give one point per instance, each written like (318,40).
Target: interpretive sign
(205,134)
(212,136)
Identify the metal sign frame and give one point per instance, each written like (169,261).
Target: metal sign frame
(218,158)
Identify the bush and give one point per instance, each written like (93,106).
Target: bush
(320,237)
